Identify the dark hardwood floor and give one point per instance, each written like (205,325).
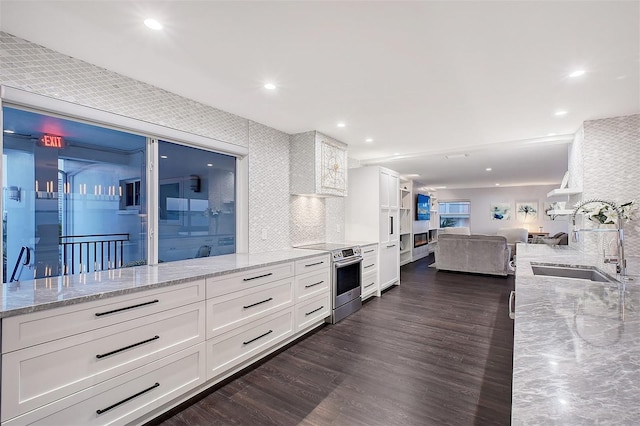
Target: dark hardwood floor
(437,350)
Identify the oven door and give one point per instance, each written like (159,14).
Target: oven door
(347,277)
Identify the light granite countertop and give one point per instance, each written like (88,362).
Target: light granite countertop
(576,357)
(46,293)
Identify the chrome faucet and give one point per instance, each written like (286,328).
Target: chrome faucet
(621,264)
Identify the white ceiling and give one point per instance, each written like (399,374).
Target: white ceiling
(422,79)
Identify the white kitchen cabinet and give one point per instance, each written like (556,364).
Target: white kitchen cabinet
(42,374)
(369,271)
(317,165)
(372,214)
(125,397)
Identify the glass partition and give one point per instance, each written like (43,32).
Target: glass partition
(73,195)
(196,203)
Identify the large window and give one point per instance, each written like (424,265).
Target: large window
(454,213)
(63,189)
(196,197)
(75,198)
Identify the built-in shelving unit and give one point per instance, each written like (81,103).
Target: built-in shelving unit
(562,192)
(406,221)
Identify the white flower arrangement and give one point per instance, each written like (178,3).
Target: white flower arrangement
(605,214)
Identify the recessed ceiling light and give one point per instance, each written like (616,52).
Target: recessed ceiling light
(209,164)
(9,132)
(440,187)
(576,73)
(560,113)
(497,184)
(488,169)
(368,140)
(153,24)
(396,153)
(163,156)
(412,175)
(270,86)
(449,157)
(341,124)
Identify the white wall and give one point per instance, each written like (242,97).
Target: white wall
(481,199)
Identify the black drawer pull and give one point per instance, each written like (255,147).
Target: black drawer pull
(315,310)
(369,251)
(258,303)
(104,410)
(314,264)
(256,338)
(392,245)
(259,276)
(314,284)
(368,285)
(127,347)
(99,314)
(370,266)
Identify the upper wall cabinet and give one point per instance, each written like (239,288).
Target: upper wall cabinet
(317,165)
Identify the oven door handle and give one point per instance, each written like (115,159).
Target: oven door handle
(340,264)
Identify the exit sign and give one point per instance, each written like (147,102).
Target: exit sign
(51,141)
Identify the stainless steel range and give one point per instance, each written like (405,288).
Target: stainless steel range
(346,278)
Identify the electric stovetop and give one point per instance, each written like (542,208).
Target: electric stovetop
(328,246)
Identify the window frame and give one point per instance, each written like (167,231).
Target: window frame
(28,101)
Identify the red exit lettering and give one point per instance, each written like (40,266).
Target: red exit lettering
(51,141)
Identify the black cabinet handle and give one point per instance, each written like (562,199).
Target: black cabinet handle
(258,303)
(390,225)
(370,266)
(259,276)
(314,284)
(392,245)
(369,251)
(256,338)
(99,314)
(104,410)
(315,310)
(368,285)
(314,264)
(127,347)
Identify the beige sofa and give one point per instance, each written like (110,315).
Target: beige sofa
(482,254)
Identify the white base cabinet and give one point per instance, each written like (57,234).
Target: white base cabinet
(126,358)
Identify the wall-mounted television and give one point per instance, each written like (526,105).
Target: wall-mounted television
(423,207)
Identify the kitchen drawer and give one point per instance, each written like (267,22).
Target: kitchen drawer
(235,309)
(370,251)
(369,264)
(312,284)
(41,374)
(242,280)
(311,264)
(22,331)
(369,284)
(230,349)
(312,311)
(144,389)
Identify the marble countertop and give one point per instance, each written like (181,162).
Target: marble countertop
(576,354)
(46,293)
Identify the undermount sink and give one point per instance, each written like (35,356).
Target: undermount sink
(583,273)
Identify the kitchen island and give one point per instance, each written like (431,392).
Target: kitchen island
(576,351)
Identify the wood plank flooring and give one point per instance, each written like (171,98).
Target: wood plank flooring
(436,350)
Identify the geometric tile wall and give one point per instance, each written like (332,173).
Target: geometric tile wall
(308,219)
(268,188)
(34,68)
(28,66)
(611,157)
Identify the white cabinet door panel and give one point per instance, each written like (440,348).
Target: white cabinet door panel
(41,374)
(235,309)
(143,389)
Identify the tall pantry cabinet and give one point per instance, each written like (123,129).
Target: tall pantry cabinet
(372,215)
